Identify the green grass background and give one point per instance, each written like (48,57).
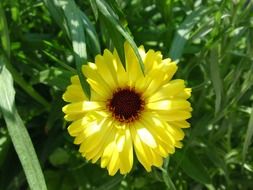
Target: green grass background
(43,43)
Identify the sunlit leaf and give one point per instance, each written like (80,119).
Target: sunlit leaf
(18,133)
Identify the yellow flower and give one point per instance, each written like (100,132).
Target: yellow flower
(128,112)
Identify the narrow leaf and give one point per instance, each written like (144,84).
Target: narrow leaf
(16,75)
(167,180)
(183,32)
(112,184)
(216,78)
(73,25)
(18,133)
(94,8)
(92,38)
(116,38)
(56,13)
(192,166)
(4,33)
(249,135)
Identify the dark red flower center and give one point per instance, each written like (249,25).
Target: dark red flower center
(126,105)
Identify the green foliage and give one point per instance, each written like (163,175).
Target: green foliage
(43,43)
(18,133)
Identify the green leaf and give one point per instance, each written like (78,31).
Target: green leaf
(16,75)
(73,24)
(26,86)
(4,32)
(183,32)
(94,8)
(216,78)
(60,62)
(165,175)
(248,137)
(109,14)
(92,37)
(116,38)
(57,14)
(18,133)
(112,184)
(54,77)
(59,157)
(192,166)
(167,180)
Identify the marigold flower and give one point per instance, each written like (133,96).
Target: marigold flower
(128,112)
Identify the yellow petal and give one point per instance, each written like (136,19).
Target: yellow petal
(122,75)
(109,147)
(176,132)
(155,83)
(178,144)
(83,106)
(180,124)
(120,140)
(169,105)
(126,155)
(159,76)
(73,117)
(132,65)
(77,126)
(169,68)
(142,154)
(74,93)
(174,115)
(168,90)
(184,94)
(142,52)
(157,159)
(165,143)
(105,69)
(113,166)
(79,138)
(75,80)
(152,60)
(145,136)
(159,129)
(93,146)
(96,82)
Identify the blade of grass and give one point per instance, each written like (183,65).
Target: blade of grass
(167,180)
(248,137)
(216,78)
(4,33)
(72,23)
(112,184)
(17,77)
(92,38)
(166,177)
(60,62)
(26,86)
(245,86)
(116,38)
(18,133)
(94,8)
(192,166)
(56,13)
(183,32)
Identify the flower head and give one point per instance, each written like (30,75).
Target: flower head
(129,111)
